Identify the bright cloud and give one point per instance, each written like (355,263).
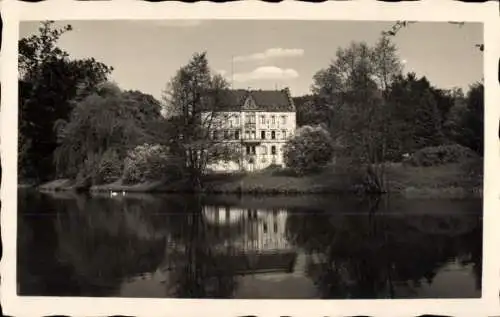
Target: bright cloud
(271,53)
(267,73)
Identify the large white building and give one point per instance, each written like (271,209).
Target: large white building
(258,122)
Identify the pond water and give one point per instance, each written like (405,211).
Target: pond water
(295,247)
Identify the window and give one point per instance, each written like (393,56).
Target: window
(273,150)
(275,228)
(237,135)
(253,149)
(226,134)
(273,135)
(253,135)
(247,134)
(283,119)
(262,135)
(262,119)
(231,123)
(283,133)
(273,120)
(214,135)
(248,150)
(250,117)
(264,150)
(265,228)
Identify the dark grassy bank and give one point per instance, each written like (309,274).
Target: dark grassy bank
(444,181)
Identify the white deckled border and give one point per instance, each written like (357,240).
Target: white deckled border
(428,10)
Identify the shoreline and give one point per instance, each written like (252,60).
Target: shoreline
(409,192)
(445,181)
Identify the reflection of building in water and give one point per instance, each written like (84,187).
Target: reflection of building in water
(257,230)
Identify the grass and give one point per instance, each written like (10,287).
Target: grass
(445,181)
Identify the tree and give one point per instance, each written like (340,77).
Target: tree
(354,88)
(102,126)
(309,110)
(465,125)
(414,114)
(194,104)
(309,149)
(49,81)
(396,27)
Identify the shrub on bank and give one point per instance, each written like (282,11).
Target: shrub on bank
(443,154)
(309,150)
(110,168)
(148,163)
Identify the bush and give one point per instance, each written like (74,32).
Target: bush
(443,154)
(110,168)
(99,169)
(309,150)
(147,163)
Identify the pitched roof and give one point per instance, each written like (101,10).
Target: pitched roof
(265,100)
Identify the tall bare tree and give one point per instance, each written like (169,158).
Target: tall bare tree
(194,105)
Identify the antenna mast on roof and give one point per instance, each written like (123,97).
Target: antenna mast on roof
(232,72)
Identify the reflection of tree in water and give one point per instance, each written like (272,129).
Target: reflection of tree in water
(37,262)
(108,240)
(373,255)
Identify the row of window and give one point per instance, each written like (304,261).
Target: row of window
(251,119)
(251,150)
(226,135)
(249,135)
(264,135)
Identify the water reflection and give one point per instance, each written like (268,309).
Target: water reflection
(233,247)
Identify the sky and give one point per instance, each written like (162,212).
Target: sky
(261,54)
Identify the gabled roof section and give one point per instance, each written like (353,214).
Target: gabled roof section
(249,103)
(256,100)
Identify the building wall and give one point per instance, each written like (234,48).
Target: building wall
(260,230)
(262,136)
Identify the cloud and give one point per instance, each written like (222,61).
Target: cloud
(267,73)
(271,53)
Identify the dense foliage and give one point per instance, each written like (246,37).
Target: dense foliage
(49,82)
(310,149)
(149,162)
(378,114)
(101,129)
(443,154)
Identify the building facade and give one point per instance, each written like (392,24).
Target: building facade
(258,123)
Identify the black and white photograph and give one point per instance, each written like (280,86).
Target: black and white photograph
(281,159)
